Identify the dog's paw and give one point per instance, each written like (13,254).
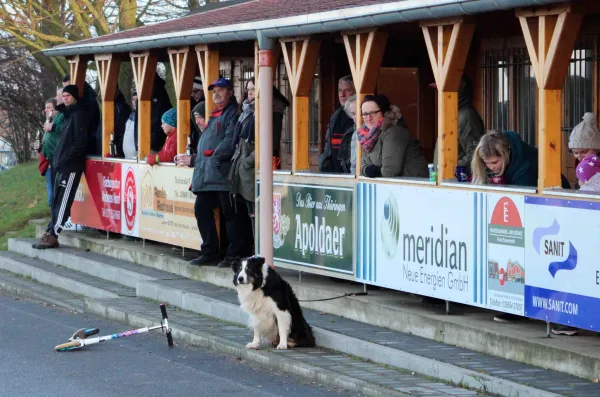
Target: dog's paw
(253,345)
(282,346)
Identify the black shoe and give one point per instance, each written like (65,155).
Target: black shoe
(225,262)
(204,260)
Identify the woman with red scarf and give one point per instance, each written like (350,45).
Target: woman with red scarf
(388,149)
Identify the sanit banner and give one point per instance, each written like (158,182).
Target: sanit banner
(426,241)
(563,269)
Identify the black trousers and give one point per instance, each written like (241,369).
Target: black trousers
(65,188)
(237,223)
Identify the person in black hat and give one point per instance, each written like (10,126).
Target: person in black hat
(68,164)
(388,149)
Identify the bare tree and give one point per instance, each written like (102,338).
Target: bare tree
(25,86)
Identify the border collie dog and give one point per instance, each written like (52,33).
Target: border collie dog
(275,313)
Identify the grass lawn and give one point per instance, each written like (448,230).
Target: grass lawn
(22,198)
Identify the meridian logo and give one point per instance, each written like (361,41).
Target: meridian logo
(390,227)
(553,248)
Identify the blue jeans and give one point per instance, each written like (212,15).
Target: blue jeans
(50,185)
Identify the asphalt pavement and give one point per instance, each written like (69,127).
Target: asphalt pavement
(141,365)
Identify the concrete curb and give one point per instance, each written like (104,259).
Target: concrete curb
(56,280)
(266,359)
(331,340)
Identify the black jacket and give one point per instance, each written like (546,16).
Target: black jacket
(338,125)
(159,105)
(70,152)
(122,112)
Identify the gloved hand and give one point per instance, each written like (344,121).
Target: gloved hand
(372,171)
(152,159)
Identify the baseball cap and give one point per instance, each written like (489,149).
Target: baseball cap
(220,82)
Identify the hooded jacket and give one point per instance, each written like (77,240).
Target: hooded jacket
(213,160)
(470,125)
(522,166)
(70,152)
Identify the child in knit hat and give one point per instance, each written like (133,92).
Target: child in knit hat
(585,138)
(588,173)
(169,149)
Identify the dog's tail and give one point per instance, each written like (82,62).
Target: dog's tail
(306,339)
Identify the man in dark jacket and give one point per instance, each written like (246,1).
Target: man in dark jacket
(211,185)
(68,163)
(336,129)
(159,105)
(470,125)
(90,101)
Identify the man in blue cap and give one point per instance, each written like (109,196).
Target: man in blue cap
(211,185)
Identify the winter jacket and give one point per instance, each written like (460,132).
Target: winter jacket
(159,105)
(51,137)
(241,175)
(470,125)
(280,103)
(337,127)
(396,153)
(168,151)
(90,104)
(522,166)
(213,159)
(70,152)
(592,185)
(347,151)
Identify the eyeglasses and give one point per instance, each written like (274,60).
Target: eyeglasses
(370,114)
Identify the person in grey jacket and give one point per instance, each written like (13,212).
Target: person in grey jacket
(210,183)
(470,125)
(388,149)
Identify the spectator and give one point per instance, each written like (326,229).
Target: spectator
(347,151)
(588,173)
(388,149)
(510,161)
(280,103)
(210,185)
(169,150)
(585,139)
(90,102)
(470,125)
(242,170)
(199,119)
(195,99)
(338,126)
(68,163)
(122,113)
(159,104)
(129,143)
(52,128)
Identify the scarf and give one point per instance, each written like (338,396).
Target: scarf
(368,138)
(244,127)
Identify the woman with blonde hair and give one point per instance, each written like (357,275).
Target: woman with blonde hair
(503,158)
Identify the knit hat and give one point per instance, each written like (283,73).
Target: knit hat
(170,117)
(197,83)
(585,135)
(73,90)
(199,109)
(587,168)
(381,100)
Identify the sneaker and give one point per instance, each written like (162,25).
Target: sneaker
(507,318)
(69,225)
(204,260)
(47,241)
(564,330)
(225,262)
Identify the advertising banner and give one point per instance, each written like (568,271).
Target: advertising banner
(97,202)
(167,206)
(426,241)
(563,270)
(130,203)
(506,253)
(313,226)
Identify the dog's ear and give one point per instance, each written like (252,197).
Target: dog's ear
(258,260)
(236,264)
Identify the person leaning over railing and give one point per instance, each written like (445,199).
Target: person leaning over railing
(388,149)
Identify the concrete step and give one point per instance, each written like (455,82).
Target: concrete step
(408,352)
(61,277)
(470,328)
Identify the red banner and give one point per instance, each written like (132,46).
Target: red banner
(98,200)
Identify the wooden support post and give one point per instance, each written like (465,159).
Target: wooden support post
(108,67)
(208,61)
(365,53)
(300,55)
(144,70)
(550,35)
(183,68)
(77,70)
(448,42)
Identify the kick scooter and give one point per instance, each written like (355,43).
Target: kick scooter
(82,338)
